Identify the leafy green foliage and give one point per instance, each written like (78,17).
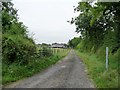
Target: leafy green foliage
(14,71)
(44,50)
(98,23)
(17,49)
(96,69)
(21,56)
(16,45)
(99,26)
(74,42)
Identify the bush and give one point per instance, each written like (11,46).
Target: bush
(44,51)
(17,48)
(15,71)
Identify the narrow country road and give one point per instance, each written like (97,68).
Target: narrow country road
(67,73)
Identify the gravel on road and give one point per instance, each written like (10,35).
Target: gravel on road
(67,73)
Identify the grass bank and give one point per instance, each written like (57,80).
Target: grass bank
(95,65)
(14,72)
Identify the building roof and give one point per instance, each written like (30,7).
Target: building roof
(57,45)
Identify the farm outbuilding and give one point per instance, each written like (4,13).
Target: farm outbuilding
(57,45)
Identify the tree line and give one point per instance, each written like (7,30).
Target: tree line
(98,25)
(21,57)
(17,46)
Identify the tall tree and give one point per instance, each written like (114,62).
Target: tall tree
(16,45)
(95,21)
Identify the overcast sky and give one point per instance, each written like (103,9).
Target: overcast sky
(47,19)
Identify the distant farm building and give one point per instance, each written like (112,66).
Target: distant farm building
(57,45)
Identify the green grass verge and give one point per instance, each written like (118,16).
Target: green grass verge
(14,72)
(96,69)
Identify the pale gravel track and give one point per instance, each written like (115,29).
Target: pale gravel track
(67,73)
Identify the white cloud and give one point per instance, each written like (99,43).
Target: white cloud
(47,19)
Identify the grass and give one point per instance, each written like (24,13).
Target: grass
(97,72)
(14,72)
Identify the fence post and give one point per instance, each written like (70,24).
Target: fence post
(106,58)
(53,50)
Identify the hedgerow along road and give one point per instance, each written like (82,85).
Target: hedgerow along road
(67,73)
